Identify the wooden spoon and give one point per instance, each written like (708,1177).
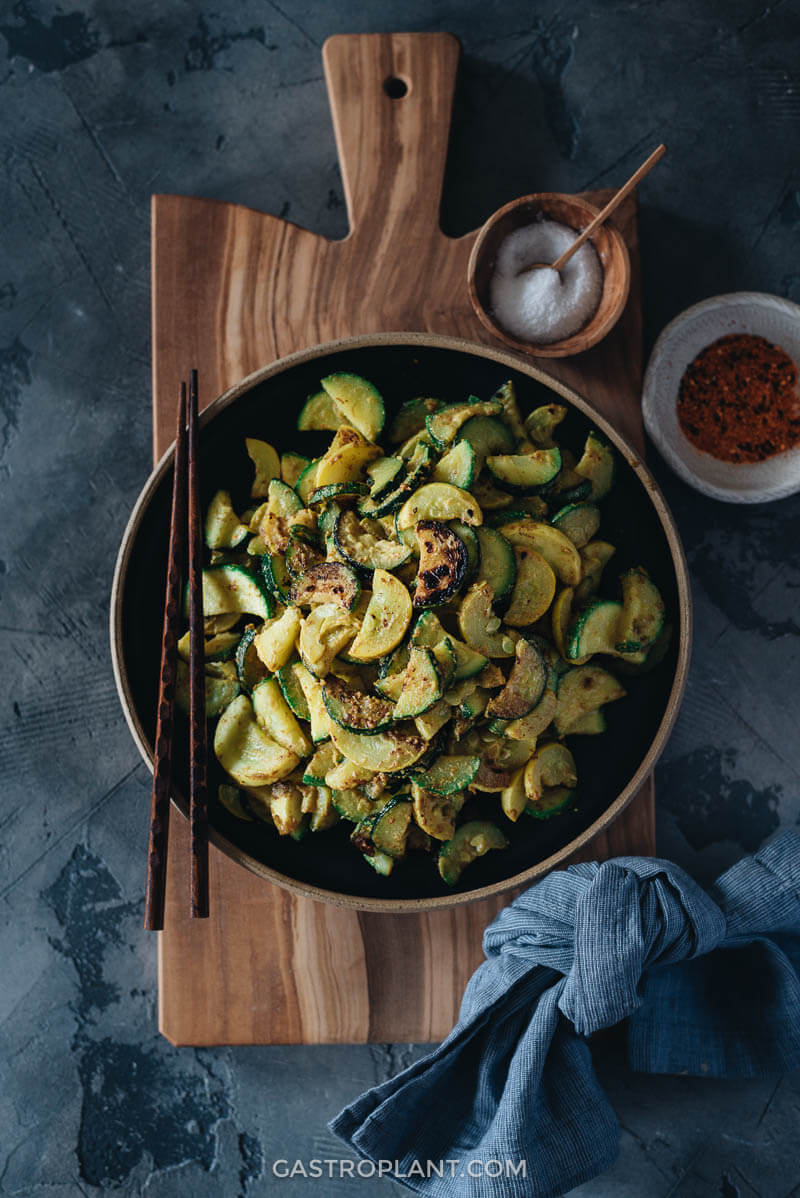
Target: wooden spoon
(601,217)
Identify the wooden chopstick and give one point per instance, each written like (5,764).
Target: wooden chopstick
(198,763)
(165,718)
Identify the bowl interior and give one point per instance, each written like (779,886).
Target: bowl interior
(269,410)
(576,214)
(767,316)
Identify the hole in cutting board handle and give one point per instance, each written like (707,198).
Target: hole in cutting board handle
(395,88)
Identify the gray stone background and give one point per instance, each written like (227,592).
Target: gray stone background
(102,105)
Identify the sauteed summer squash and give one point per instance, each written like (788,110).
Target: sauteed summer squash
(413,618)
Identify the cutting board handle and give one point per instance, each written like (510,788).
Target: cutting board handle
(392,148)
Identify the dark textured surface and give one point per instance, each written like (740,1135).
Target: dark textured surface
(103,105)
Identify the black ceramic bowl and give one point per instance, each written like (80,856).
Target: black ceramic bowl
(635,518)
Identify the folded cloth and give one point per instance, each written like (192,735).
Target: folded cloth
(709,984)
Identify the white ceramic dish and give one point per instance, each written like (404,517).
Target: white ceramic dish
(740,312)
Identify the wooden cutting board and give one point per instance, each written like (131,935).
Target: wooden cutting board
(233,289)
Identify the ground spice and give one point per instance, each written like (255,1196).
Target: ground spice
(738,399)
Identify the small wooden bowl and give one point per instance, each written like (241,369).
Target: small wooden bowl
(567,210)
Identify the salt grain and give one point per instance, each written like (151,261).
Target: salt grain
(542,306)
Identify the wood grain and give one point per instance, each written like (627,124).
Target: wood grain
(232,290)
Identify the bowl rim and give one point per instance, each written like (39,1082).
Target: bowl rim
(684,615)
(578,342)
(652,404)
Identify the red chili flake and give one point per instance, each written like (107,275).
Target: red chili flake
(738,399)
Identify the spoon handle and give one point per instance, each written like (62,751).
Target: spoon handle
(615,200)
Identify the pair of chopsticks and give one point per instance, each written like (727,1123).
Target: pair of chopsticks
(185,533)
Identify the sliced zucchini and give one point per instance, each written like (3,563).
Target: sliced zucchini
(469,661)
(386,619)
(448,774)
(487,435)
(582,690)
(232,588)
(231,799)
(353,805)
(276,576)
(417,469)
(302,552)
(534,588)
(472,840)
(642,618)
(457,466)
(385,752)
(506,396)
(421,685)
(250,668)
(219,647)
(329,582)
(389,828)
(442,563)
(411,418)
(221,623)
(306,482)
(513,798)
(541,423)
(347,490)
(275,716)
(384,475)
(469,537)
(591,724)
(292,466)
(433,720)
(480,627)
(551,765)
(319,412)
(443,425)
(219,692)
(428,633)
(286,809)
(343,775)
(498,565)
(436,814)
(312,690)
(561,618)
(357,401)
(595,630)
(283,505)
(489,498)
(292,691)
(345,459)
(245,751)
(578,521)
(362,544)
(382,863)
(594,558)
(322,763)
(569,487)
(556,548)
(324,815)
(525,686)
(439,501)
(356,710)
(223,528)
(525,471)
(554,800)
(275,641)
(267,464)
(597,464)
(324,633)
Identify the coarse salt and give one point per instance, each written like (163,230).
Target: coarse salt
(542,306)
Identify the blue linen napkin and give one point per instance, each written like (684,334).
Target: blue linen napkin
(709,984)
